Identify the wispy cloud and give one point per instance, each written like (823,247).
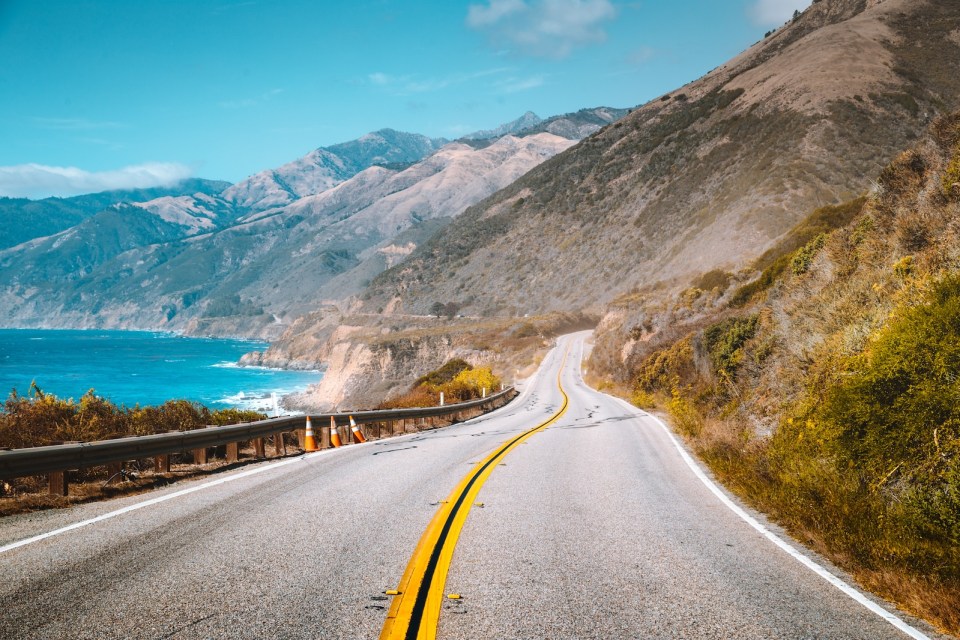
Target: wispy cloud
(113,145)
(547,28)
(769,13)
(41,181)
(516,85)
(244,103)
(76,124)
(640,57)
(411,84)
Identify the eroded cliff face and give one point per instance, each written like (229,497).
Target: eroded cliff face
(369,358)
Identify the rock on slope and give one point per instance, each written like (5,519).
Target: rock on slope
(706,177)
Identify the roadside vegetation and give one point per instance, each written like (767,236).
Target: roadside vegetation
(457,380)
(823,385)
(40,419)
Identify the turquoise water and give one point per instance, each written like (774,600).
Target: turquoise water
(131,367)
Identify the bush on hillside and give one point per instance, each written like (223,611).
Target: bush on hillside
(895,413)
(724,342)
(457,379)
(450,370)
(45,419)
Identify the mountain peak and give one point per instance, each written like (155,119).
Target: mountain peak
(526,121)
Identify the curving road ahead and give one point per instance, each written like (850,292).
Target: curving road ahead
(567,514)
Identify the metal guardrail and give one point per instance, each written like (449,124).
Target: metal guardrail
(36,461)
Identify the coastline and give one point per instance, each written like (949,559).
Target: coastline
(146,368)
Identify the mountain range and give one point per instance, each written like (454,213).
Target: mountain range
(247,259)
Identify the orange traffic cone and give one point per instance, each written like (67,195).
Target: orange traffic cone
(357,434)
(334,434)
(310,439)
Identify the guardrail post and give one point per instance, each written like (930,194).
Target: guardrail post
(161,464)
(324,437)
(200,456)
(259,448)
(233,451)
(301,436)
(114,472)
(279,446)
(57,483)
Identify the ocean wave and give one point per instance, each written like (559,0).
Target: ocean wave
(252,367)
(268,403)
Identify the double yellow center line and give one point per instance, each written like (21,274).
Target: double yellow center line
(415,611)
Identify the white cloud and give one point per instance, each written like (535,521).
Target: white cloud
(479,15)
(41,181)
(515,85)
(409,84)
(771,13)
(379,78)
(549,28)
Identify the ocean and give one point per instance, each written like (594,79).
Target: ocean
(137,367)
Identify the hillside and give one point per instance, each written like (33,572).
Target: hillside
(572,126)
(707,177)
(202,265)
(326,167)
(22,219)
(825,389)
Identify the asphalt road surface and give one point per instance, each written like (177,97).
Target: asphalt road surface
(566,514)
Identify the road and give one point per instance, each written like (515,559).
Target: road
(577,515)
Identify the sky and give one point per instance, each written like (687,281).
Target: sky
(104,94)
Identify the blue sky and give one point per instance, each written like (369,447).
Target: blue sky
(100,94)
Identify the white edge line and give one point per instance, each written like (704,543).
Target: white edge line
(146,503)
(847,589)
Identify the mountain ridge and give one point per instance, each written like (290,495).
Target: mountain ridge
(707,176)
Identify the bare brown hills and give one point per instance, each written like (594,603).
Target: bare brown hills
(707,177)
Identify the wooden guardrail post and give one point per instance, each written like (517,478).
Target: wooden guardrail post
(114,472)
(58,483)
(279,446)
(233,452)
(259,448)
(161,464)
(324,437)
(200,456)
(301,436)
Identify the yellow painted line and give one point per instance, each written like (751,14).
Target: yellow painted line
(415,613)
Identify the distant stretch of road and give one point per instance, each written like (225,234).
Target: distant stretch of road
(566,514)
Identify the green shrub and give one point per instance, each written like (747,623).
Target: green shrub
(724,342)
(895,414)
(803,258)
(951,177)
(450,370)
